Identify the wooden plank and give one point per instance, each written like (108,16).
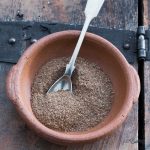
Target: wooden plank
(147,81)
(9,9)
(115,14)
(146,13)
(147,105)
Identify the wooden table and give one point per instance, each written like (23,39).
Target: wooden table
(120,14)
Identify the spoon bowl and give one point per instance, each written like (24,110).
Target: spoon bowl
(63,83)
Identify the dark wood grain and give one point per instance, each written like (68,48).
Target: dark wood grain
(115,14)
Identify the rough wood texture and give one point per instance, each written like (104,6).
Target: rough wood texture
(147,82)
(147,105)
(115,13)
(146,13)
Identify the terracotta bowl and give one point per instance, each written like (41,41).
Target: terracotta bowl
(96,49)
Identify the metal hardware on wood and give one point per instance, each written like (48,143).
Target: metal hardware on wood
(45,27)
(141,47)
(126,46)
(12,41)
(33,41)
(29,32)
(26,27)
(141,42)
(141,30)
(132,44)
(19,14)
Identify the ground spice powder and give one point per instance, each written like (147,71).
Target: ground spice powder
(81,110)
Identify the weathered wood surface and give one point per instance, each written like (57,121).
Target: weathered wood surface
(146,13)
(147,105)
(147,82)
(115,14)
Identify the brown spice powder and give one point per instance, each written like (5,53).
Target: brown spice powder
(81,110)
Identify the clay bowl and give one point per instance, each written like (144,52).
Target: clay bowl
(96,49)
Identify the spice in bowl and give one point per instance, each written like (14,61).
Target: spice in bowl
(81,110)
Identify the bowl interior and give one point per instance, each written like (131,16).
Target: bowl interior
(94,48)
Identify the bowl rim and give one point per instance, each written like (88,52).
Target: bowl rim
(53,135)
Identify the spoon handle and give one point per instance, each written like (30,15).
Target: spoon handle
(92,9)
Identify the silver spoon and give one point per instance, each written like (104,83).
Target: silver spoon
(64,83)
